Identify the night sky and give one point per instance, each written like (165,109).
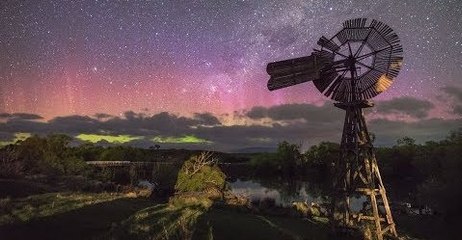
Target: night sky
(119,60)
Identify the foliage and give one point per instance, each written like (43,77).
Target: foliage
(50,155)
(290,158)
(321,156)
(200,173)
(265,164)
(177,219)
(444,182)
(10,165)
(285,161)
(423,174)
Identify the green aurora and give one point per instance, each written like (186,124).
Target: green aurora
(20,136)
(94,138)
(183,139)
(116,139)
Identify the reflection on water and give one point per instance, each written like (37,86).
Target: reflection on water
(284,194)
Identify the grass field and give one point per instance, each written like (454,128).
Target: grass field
(73,215)
(86,222)
(105,216)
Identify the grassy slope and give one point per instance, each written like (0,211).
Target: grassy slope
(86,222)
(43,205)
(89,215)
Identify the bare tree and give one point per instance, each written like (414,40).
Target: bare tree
(199,161)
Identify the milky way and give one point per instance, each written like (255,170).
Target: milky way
(85,57)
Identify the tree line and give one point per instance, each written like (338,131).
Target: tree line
(425,174)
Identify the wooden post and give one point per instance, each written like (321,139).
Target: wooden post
(133,174)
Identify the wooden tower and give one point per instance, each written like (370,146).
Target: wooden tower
(356,174)
(355,65)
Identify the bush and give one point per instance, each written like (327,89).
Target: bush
(50,155)
(265,164)
(200,173)
(10,165)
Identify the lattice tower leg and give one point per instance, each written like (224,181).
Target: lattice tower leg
(356,173)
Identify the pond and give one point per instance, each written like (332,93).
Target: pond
(285,194)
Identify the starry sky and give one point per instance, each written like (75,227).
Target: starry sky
(94,58)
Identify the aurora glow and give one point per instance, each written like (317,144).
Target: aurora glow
(119,139)
(183,139)
(94,138)
(20,136)
(85,57)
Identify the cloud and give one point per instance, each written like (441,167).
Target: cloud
(458,109)
(412,107)
(103,116)
(308,112)
(454,91)
(207,119)
(455,94)
(388,131)
(264,127)
(21,116)
(5,115)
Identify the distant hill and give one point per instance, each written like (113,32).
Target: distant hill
(255,150)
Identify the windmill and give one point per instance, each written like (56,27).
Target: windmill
(355,65)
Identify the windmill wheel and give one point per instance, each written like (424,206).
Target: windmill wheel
(366,59)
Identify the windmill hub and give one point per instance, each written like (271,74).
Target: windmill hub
(355,65)
(350,62)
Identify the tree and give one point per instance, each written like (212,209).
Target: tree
(320,157)
(50,155)
(445,183)
(406,141)
(289,158)
(10,165)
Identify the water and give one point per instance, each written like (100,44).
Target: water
(284,194)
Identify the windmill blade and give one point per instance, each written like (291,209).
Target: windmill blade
(329,44)
(355,23)
(374,59)
(328,80)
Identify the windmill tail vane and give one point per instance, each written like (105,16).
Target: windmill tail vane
(299,70)
(355,65)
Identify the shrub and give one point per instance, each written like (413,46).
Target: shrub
(199,174)
(10,165)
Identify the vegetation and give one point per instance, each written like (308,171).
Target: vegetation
(81,216)
(177,219)
(174,220)
(192,213)
(37,155)
(424,174)
(200,173)
(284,162)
